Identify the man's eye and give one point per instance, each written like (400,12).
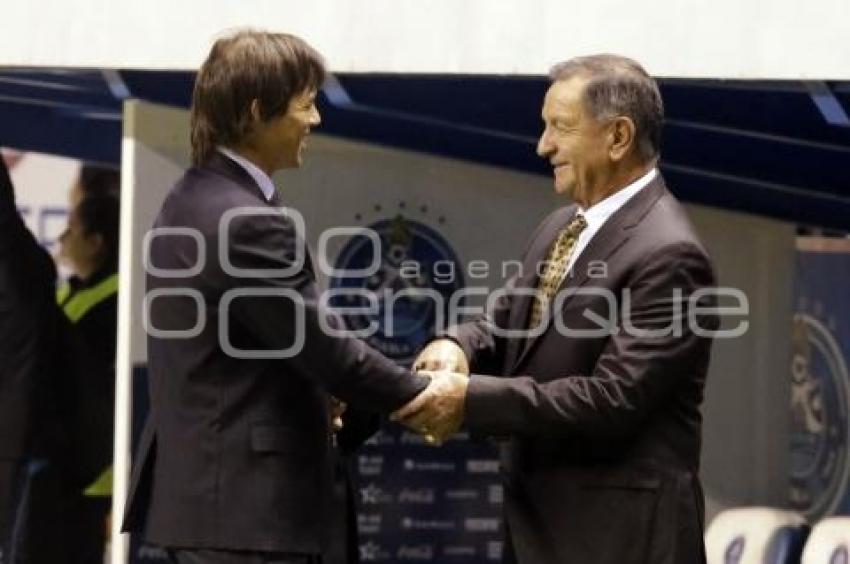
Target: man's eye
(561,126)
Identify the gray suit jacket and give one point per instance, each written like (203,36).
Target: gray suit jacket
(236,453)
(601,431)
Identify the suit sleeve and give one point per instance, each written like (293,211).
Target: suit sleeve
(7,195)
(638,370)
(27,263)
(27,302)
(479,337)
(10,222)
(346,367)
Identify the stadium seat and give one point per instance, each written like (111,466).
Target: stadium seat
(756,535)
(829,542)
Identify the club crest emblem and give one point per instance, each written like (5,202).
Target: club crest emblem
(412,287)
(819,422)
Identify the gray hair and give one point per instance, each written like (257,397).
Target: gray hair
(619,86)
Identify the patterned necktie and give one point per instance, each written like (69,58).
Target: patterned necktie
(556,265)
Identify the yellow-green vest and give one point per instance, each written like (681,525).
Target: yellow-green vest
(75,308)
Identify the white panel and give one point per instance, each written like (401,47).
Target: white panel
(751,39)
(153,156)
(745,434)
(42,183)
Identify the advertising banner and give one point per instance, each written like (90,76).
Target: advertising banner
(820,389)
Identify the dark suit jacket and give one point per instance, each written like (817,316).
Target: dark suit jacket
(235,453)
(602,432)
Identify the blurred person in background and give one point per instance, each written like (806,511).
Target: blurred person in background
(46,415)
(94,181)
(89,300)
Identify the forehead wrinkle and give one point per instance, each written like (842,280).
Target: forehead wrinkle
(557,108)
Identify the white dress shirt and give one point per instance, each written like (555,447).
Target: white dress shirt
(261,178)
(597,214)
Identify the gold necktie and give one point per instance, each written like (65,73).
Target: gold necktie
(556,264)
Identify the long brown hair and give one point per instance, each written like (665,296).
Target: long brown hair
(246,66)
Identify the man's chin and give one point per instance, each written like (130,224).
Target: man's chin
(564,189)
(299,157)
(293,162)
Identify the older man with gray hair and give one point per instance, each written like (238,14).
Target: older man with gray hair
(596,402)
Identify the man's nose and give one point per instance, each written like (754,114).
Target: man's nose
(315,117)
(544,147)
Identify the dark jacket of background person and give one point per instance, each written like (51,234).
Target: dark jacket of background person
(95,326)
(45,420)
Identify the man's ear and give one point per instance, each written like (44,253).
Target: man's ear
(256,113)
(622,135)
(98,243)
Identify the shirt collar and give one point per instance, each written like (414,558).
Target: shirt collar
(261,178)
(599,213)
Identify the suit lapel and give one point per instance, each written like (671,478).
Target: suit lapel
(610,237)
(537,253)
(224,165)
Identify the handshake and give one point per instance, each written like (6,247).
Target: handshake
(438,411)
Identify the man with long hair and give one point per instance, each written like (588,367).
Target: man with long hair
(234,464)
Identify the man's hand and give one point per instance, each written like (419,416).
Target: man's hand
(338,407)
(443,355)
(437,412)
